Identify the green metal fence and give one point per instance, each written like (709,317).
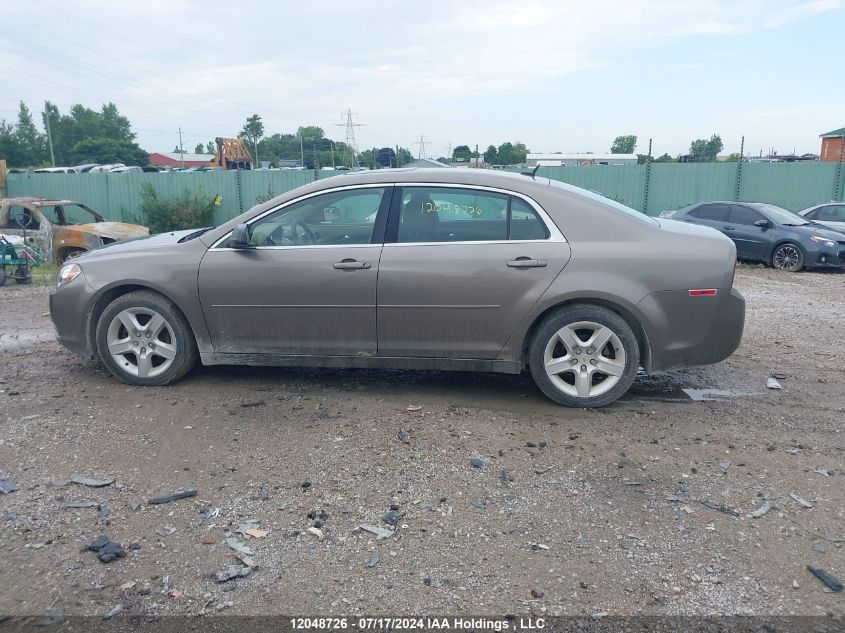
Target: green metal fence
(650,188)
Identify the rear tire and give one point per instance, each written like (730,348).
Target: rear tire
(584,355)
(788,257)
(143,339)
(2,275)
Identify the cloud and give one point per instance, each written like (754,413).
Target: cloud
(207,66)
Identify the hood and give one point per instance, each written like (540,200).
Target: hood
(136,244)
(817,229)
(113,230)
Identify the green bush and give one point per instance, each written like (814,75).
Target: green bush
(188,211)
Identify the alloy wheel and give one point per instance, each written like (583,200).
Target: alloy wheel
(141,342)
(584,359)
(786,257)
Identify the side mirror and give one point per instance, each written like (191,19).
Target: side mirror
(239,237)
(763,224)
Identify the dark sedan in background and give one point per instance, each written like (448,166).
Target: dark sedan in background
(448,269)
(767,233)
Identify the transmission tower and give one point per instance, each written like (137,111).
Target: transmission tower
(421,143)
(350,135)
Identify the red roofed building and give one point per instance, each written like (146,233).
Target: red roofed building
(833,145)
(175,159)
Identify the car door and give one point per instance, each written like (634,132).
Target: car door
(752,242)
(460,268)
(307,284)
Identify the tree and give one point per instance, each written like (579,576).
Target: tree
(177,149)
(511,153)
(624,144)
(491,155)
(253,131)
(199,148)
(706,149)
(84,123)
(403,156)
(733,158)
(108,150)
(462,153)
(665,158)
(29,140)
(311,134)
(9,148)
(211,147)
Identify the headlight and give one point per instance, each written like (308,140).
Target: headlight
(68,273)
(822,240)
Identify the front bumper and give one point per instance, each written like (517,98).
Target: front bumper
(684,330)
(69,313)
(826,257)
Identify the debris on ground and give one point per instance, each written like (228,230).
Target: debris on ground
(372,561)
(236,545)
(183,494)
(8,486)
(826,578)
(825,472)
(719,507)
(414,407)
(778,376)
(537,593)
(475,462)
(90,481)
(317,532)
(772,383)
(106,549)
(230,572)
(165,530)
(243,528)
(763,509)
(82,503)
(800,501)
(256,533)
(246,560)
(379,532)
(392,518)
(209,512)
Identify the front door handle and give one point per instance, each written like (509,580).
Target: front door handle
(351,264)
(727,228)
(526,262)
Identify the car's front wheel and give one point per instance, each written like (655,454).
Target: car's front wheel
(143,339)
(584,356)
(788,257)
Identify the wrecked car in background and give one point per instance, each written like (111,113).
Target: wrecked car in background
(62,228)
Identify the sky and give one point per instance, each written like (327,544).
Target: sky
(560,76)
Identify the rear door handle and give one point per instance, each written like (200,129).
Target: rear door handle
(351,264)
(525,262)
(727,228)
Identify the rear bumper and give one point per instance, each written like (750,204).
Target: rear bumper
(684,330)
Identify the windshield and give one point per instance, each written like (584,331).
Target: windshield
(780,215)
(609,202)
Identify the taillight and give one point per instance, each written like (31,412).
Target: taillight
(703,292)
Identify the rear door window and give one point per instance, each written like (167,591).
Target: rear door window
(712,212)
(446,214)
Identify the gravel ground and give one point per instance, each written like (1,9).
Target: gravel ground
(504,502)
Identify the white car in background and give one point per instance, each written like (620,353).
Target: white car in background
(831,214)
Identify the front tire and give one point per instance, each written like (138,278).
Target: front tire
(788,257)
(143,339)
(584,356)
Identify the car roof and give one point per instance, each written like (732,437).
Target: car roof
(37,201)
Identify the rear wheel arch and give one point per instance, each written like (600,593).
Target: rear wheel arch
(632,321)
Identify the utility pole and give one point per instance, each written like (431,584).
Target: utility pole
(350,135)
(333,165)
(49,135)
(421,143)
(301,153)
(181,149)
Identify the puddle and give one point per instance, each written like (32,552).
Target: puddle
(685,394)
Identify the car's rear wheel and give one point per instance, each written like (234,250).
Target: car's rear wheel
(788,257)
(143,339)
(584,356)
